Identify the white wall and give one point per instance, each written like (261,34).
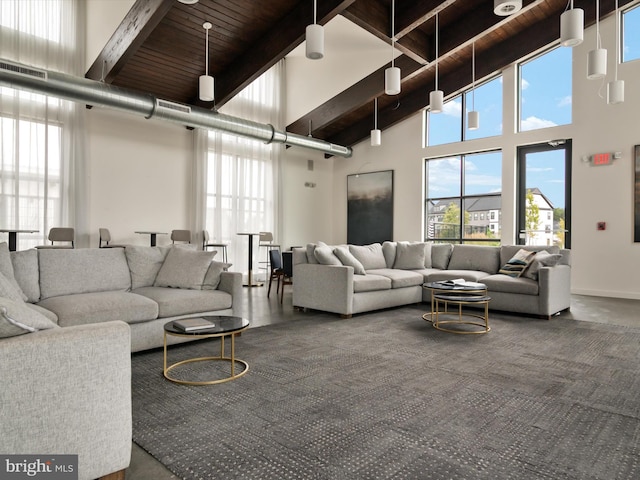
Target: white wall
(602,260)
(103,17)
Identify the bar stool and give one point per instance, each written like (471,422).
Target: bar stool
(266,241)
(221,246)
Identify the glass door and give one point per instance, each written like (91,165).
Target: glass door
(544,194)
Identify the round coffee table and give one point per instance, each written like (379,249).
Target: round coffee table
(222,326)
(461,299)
(441,287)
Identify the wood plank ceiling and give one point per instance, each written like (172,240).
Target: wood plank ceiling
(158,49)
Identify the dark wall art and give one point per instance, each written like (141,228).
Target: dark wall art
(636,227)
(370,207)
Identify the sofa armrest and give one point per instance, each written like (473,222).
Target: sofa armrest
(231,282)
(68,391)
(554,286)
(323,287)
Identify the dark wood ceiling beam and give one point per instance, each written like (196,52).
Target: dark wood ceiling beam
(287,34)
(140,21)
(410,15)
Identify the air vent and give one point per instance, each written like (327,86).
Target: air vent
(174,106)
(30,72)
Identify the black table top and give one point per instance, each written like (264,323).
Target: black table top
(221,324)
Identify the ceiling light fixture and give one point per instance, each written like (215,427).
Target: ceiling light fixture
(376,135)
(315,37)
(504,8)
(571,27)
(188,2)
(615,89)
(473,117)
(206,81)
(597,59)
(392,84)
(436,98)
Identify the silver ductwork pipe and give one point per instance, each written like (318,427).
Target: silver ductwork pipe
(91,92)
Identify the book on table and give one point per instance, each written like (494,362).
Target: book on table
(461,282)
(193,324)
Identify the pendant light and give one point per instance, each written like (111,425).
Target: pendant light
(473,117)
(597,59)
(315,37)
(505,8)
(376,135)
(615,89)
(392,74)
(436,98)
(571,27)
(206,81)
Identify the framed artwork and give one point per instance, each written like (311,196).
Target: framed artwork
(370,207)
(636,211)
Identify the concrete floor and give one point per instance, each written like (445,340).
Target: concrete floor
(264,311)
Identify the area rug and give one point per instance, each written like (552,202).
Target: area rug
(386,396)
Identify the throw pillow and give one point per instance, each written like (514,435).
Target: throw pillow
(8,290)
(427,255)
(440,255)
(6,268)
(324,255)
(144,264)
(311,258)
(518,263)
(349,260)
(409,256)
(27,273)
(16,318)
(370,256)
(184,269)
(542,259)
(212,277)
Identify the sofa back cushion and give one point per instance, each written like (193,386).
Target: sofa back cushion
(6,268)
(184,269)
(25,270)
(440,254)
(370,256)
(475,257)
(409,256)
(144,264)
(82,270)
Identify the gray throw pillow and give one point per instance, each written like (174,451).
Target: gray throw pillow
(144,264)
(16,318)
(310,248)
(27,273)
(427,255)
(184,269)
(409,256)
(349,260)
(324,255)
(6,268)
(8,290)
(440,255)
(212,277)
(370,256)
(541,259)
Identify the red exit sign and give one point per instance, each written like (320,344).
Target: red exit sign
(601,159)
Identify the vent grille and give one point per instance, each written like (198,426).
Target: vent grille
(30,72)
(174,106)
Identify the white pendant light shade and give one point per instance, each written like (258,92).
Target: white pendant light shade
(392,81)
(436,101)
(572,27)
(597,63)
(473,120)
(205,84)
(615,92)
(315,41)
(206,88)
(376,137)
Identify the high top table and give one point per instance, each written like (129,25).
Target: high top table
(250,282)
(13,236)
(153,236)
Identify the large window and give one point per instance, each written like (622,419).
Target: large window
(451,125)
(630,37)
(545,90)
(463,198)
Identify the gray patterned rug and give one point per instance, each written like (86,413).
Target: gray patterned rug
(386,396)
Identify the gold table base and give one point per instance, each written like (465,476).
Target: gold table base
(436,322)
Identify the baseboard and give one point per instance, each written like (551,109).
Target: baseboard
(605,293)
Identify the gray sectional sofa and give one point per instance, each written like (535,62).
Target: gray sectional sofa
(350,279)
(69,320)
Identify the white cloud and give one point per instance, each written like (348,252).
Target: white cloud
(524,84)
(534,123)
(453,108)
(565,102)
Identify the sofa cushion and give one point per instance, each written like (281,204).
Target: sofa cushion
(506,284)
(324,255)
(428,246)
(311,258)
(349,260)
(370,256)
(475,257)
(16,318)
(26,272)
(144,264)
(517,264)
(184,269)
(409,256)
(98,307)
(389,252)
(440,254)
(399,278)
(212,277)
(370,283)
(172,302)
(508,251)
(541,259)
(6,268)
(82,270)
(9,290)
